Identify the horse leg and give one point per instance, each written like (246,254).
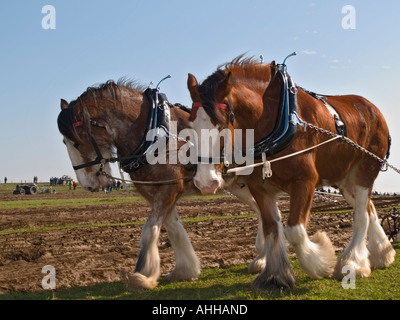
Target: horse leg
(277,272)
(258,264)
(187,265)
(147,269)
(355,254)
(242,192)
(316,255)
(381,252)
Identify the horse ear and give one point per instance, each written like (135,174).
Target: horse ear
(64,104)
(82,113)
(273,68)
(224,88)
(193,87)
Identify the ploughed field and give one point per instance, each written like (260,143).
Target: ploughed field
(89,237)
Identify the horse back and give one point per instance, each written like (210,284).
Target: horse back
(365,122)
(366,126)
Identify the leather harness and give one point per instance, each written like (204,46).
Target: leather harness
(158,119)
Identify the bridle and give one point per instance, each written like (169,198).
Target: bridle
(99,159)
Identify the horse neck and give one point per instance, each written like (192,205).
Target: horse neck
(255,108)
(125,120)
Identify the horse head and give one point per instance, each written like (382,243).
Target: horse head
(88,143)
(212,120)
(226,98)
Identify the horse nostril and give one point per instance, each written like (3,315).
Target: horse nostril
(90,188)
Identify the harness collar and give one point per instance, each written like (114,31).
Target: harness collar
(286,124)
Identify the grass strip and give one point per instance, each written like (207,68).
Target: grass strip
(115,224)
(74,202)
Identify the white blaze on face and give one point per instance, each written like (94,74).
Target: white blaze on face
(87,177)
(207,178)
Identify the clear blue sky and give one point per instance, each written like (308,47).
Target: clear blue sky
(95,41)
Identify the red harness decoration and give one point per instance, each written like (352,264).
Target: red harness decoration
(78,124)
(219,105)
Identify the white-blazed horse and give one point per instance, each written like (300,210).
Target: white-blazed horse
(247,94)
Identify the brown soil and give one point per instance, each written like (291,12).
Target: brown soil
(88,255)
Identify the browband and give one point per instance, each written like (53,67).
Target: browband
(92,122)
(219,105)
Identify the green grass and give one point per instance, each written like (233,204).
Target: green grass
(234,284)
(115,224)
(52,228)
(116,197)
(74,202)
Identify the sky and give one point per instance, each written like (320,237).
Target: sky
(339,52)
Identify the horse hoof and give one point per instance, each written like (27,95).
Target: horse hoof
(137,281)
(177,275)
(272,284)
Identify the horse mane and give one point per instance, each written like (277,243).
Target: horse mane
(109,90)
(246,67)
(247,70)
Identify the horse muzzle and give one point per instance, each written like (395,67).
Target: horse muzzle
(209,186)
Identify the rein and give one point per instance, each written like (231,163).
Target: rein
(169,181)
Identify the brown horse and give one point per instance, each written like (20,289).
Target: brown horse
(245,94)
(115,115)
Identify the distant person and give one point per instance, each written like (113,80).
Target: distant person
(5,179)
